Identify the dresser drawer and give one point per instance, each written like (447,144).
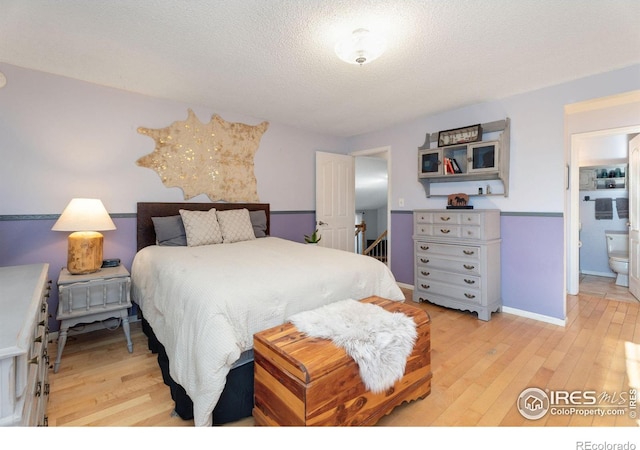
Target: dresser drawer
(449,265)
(426,275)
(471,219)
(459,251)
(447,290)
(447,218)
(424,229)
(424,217)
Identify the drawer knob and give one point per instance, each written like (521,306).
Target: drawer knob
(425,286)
(470,281)
(469,267)
(424,260)
(468,252)
(444,231)
(469,295)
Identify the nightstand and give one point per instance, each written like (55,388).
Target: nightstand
(91,297)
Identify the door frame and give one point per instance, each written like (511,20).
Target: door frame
(385,153)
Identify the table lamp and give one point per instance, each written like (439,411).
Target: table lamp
(85,217)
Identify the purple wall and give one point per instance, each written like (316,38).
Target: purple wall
(402,246)
(533,263)
(32,241)
(532,252)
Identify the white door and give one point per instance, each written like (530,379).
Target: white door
(335,200)
(634,216)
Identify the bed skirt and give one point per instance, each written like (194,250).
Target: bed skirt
(236,400)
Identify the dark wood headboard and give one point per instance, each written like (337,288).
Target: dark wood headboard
(146,234)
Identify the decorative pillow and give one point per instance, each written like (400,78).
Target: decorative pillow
(259,223)
(235,225)
(169,231)
(201,227)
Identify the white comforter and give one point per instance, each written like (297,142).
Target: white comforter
(205,303)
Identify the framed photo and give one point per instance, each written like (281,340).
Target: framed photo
(463,135)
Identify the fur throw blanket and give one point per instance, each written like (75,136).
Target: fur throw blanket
(378,340)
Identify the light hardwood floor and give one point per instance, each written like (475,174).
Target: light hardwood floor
(479,369)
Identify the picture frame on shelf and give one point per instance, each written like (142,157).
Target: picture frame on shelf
(464,135)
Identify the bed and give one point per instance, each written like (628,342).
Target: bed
(201,304)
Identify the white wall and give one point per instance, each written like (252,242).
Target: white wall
(537,169)
(61,138)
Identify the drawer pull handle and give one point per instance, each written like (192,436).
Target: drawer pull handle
(425,286)
(47,388)
(444,231)
(423,299)
(33,360)
(469,233)
(426,274)
(424,247)
(445,219)
(469,267)
(468,252)
(469,295)
(39,389)
(470,281)
(424,260)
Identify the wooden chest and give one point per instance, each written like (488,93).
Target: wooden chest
(305,381)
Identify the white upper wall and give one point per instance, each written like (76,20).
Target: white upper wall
(538,163)
(61,138)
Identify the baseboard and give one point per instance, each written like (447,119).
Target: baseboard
(89,327)
(514,311)
(598,274)
(530,315)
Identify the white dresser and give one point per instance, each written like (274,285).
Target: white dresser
(24,385)
(457,259)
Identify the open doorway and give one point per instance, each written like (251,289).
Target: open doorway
(603,227)
(598,118)
(372,168)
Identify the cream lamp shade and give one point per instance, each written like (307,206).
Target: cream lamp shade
(85,217)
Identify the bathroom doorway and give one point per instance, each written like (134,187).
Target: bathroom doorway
(598,118)
(603,204)
(602,158)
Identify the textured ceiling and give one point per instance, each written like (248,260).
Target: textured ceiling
(274,59)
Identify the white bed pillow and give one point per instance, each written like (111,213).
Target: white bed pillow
(235,225)
(201,227)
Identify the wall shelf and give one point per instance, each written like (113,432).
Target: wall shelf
(467,162)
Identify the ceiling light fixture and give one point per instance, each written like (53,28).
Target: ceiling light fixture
(360,47)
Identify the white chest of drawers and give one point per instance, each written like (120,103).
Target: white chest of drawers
(24,388)
(457,259)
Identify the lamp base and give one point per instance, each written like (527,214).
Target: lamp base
(85,252)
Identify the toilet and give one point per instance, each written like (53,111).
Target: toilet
(618,252)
